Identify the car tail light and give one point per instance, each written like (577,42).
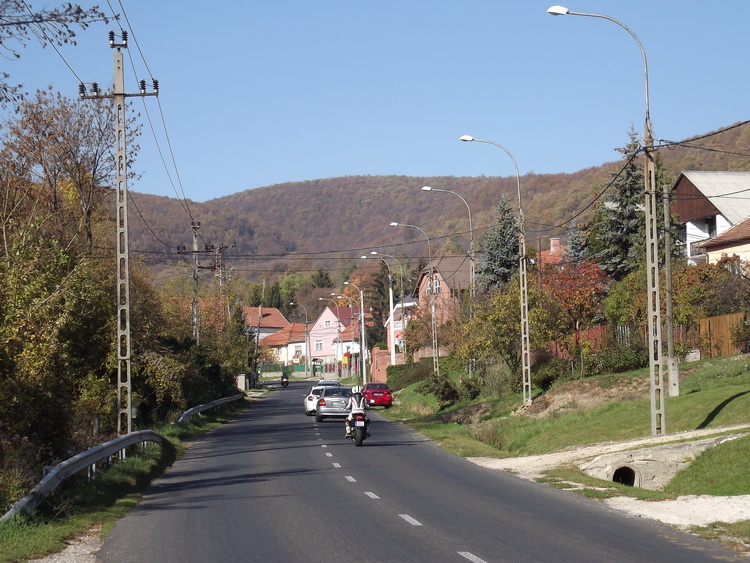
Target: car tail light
(322,402)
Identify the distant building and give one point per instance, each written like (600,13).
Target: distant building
(263,320)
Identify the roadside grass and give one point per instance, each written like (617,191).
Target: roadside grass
(79,506)
(713,394)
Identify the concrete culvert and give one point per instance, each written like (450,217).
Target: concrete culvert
(624,475)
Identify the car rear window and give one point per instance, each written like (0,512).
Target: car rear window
(377,386)
(336,392)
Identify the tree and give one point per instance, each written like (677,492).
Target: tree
(500,247)
(579,289)
(321,279)
(48,26)
(68,148)
(616,234)
(576,243)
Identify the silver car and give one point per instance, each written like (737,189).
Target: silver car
(332,402)
(311,399)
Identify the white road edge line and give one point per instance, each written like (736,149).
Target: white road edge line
(471,557)
(372,495)
(410,520)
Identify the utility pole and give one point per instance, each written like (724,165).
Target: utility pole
(673,370)
(196,308)
(124,387)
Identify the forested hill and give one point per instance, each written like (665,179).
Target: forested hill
(348,215)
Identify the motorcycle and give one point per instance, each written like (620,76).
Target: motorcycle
(284,380)
(360,428)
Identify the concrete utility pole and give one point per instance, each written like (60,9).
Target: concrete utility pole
(196,308)
(124,388)
(656,368)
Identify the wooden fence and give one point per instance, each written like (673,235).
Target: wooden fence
(716,335)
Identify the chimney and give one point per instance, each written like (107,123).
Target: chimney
(554,245)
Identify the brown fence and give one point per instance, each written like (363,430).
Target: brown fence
(716,334)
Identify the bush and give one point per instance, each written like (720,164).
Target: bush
(619,358)
(469,388)
(550,371)
(401,376)
(443,390)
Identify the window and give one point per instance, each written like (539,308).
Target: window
(436,283)
(318,345)
(327,324)
(298,351)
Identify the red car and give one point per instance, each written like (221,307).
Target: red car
(377,394)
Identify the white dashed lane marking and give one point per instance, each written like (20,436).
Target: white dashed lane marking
(471,557)
(372,495)
(350,479)
(410,520)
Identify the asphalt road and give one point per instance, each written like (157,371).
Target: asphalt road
(274,485)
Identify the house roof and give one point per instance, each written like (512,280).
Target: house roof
(455,270)
(345,314)
(727,191)
(270,317)
(294,332)
(737,234)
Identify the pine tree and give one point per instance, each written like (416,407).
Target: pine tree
(616,235)
(500,247)
(576,243)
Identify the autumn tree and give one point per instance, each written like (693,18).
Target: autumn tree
(578,289)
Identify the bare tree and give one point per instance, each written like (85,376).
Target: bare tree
(20,23)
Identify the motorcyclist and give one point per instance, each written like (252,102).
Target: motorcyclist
(356,405)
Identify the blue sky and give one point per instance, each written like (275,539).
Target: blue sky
(255,93)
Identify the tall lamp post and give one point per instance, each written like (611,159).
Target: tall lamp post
(391,329)
(362,333)
(522,279)
(433,308)
(401,298)
(307,335)
(658,423)
(472,276)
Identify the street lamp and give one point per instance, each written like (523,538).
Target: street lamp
(363,334)
(658,423)
(433,309)
(471,232)
(307,335)
(522,279)
(401,293)
(391,329)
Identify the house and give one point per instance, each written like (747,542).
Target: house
(263,320)
(447,278)
(333,334)
(732,242)
(708,204)
(403,311)
(554,256)
(288,344)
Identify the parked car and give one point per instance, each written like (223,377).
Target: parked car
(377,394)
(311,399)
(332,402)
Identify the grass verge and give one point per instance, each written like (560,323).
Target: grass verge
(79,506)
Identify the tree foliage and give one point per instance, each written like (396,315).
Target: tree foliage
(500,247)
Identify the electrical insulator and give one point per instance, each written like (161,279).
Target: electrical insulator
(155,83)
(111,37)
(95,88)
(82,89)
(142,85)
(124,37)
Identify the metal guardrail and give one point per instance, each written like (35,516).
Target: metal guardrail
(78,463)
(90,457)
(200,408)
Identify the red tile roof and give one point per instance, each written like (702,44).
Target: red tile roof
(270,317)
(294,332)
